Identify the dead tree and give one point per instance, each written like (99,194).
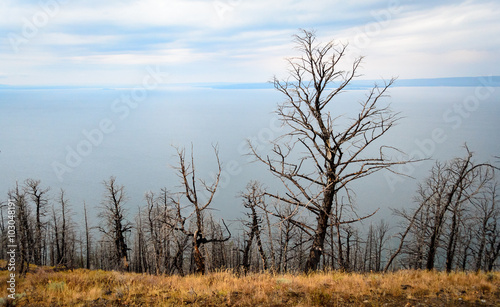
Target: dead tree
(198,200)
(485,224)
(60,224)
(165,233)
(171,236)
(181,243)
(287,232)
(114,224)
(154,228)
(3,230)
(64,236)
(253,198)
(87,237)
(339,222)
(415,220)
(24,234)
(217,253)
(39,197)
(380,239)
(270,237)
(152,233)
(325,149)
(140,261)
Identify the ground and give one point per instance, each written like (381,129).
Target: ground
(46,286)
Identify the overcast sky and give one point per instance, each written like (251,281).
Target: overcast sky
(76,42)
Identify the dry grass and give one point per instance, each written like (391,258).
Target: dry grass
(46,287)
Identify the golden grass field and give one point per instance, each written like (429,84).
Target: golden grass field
(47,287)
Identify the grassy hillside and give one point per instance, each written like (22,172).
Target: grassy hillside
(47,287)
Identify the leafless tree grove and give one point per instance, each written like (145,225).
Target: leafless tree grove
(306,222)
(453,225)
(456,215)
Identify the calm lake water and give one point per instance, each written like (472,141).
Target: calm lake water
(76,138)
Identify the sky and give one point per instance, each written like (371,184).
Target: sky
(111,43)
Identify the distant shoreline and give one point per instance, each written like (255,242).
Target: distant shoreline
(493,81)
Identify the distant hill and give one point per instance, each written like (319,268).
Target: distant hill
(355,84)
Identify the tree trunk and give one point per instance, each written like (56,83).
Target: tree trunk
(431,254)
(87,237)
(320,233)
(450,252)
(199,260)
(246,253)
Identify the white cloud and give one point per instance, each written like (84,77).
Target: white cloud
(170,56)
(249,40)
(456,40)
(143,13)
(57,38)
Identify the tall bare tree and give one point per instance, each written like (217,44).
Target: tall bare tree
(115,225)
(414,226)
(87,237)
(24,233)
(289,234)
(252,199)
(166,233)
(40,199)
(326,149)
(60,224)
(154,228)
(64,237)
(198,201)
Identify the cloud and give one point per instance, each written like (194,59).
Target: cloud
(452,40)
(245,41)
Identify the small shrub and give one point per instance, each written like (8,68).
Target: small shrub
(320,297)
(56,286)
